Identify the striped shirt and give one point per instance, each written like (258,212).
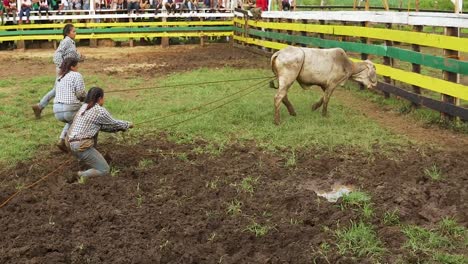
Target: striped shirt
(65,50)
(70,89)
(92,121)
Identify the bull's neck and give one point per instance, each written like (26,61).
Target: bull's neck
(358,67)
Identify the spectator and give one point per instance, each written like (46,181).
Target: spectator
(158,4)
(192,5)
(179,5)
(65,50)
(82,137)
(10,8)
(70,92)
(249,4)
(133,5)
(86,4)
(170,6)
(25,11)
(262,4)
(1,11)
(44,6)
(144,4)
(286,5)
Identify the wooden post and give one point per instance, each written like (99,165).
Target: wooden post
(321,35)
(164,40)
(290,32)
(364,56)
(388,61)
(416,67)
(304,33)
(450,76)
(202,38)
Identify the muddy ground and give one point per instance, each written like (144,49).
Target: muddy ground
(169,203)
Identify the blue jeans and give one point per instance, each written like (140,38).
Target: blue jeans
(65,113)
(51,94)
(92,158)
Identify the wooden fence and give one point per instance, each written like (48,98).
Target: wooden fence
(393,40)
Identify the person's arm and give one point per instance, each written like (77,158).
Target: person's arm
(109,124)
(80,91)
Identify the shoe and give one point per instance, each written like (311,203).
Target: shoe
(62,146)
(37,111)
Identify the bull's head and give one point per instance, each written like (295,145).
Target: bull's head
(367,75)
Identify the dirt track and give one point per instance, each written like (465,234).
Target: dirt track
(174,207)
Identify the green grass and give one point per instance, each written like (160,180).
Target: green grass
(258,229)
(434,173)
(424,4)
(247,118)
(359,240)
(356,198)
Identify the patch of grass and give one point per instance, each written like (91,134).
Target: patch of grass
(321,254)
(445,258)
(234,207)
(355,198)
(367,211)
(291,159)
(145,163)
(359,240)
(213,184)
(182,156)
(114,171)
(139,197)
(248,183)
(423,240)
(391,217)
(449,227)
(258,229)
(433,172)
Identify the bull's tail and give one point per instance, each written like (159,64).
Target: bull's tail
(273,68)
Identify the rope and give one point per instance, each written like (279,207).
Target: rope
(33,184)
(143,88)
(200,106)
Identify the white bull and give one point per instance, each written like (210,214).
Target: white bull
(326,68)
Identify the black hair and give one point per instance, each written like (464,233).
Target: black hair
(92,97)
(66,66)
(67,29)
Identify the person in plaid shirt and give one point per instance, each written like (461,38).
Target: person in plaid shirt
(82,135)
(66,49)
(69,93)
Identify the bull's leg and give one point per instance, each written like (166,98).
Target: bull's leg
(289,106)
(320,101)
(278,98)
(326,99)
(317,104)
(283,86)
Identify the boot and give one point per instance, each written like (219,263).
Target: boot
(62,146)
(37,111)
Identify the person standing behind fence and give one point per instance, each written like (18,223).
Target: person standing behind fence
(66,49)
(82,137)
(70,92)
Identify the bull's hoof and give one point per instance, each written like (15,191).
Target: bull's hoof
(276,122)
(292,113)
(315,107)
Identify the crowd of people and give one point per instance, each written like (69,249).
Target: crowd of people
(23,8)
(82,111)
